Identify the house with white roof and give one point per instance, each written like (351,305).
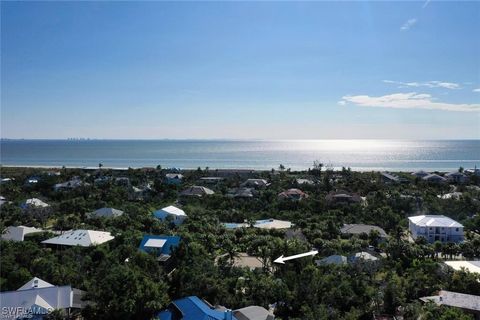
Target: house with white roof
(470,266)
(2,200)
(34,203)
(362,257)
(435,228)
(301,181)
(261,224)
(18,233)
(37,298)
(452,195)
(272,224)
(176,215)
(83,238)
(6,180)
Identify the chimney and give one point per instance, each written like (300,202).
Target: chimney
(228,315)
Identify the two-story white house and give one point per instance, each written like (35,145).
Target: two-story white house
(435,228)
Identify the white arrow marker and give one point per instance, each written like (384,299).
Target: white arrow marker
(282,259)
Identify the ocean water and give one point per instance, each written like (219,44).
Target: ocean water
(394,155)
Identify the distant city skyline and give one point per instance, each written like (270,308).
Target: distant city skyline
(240,70)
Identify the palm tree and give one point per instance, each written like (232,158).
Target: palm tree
(438,246)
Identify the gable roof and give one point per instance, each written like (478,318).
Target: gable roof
(161,244)
(434,221)
(84,238)
(107,212)
(35,283)
(193,308)
(18,233)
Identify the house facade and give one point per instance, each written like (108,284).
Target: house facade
(435,228)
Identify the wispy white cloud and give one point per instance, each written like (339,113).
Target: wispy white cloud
(411,100)
(428,84)
(476,90)
(425,4)
(408,24)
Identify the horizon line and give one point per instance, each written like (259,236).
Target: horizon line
(231,139)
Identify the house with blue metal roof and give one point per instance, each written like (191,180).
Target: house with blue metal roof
(160,245)
(193,308)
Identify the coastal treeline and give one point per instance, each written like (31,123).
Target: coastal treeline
(122,282)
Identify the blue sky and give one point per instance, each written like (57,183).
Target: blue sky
(267,70)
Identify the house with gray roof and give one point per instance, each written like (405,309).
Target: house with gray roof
(357,229)
(434,178)
(467,302)
(106,213)
(456,177)
(196,191)
(14,233)
(253,313)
